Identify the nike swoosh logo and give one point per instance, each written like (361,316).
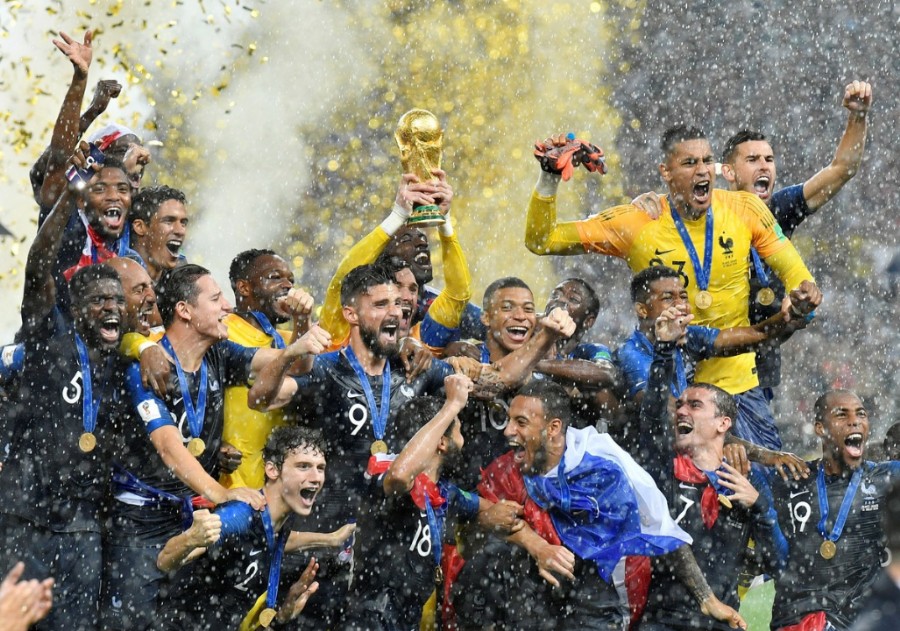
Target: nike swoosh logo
(253,553)
(661,252)
(687,486)
(354,395)
(793,495)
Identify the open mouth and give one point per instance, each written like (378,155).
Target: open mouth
(308,495)
(518,451)
(109,329)
(405,318)
(135,178)
(683,428)
(144,317)
(517,333)
(422,259)
(761,185)
(853,444)
(701,192)
(389,330)
(174,246)
(113,217)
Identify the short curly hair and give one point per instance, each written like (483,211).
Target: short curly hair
(284,440)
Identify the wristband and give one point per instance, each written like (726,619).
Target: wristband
(144,346)
(547,184)
(393,222)
(446,228)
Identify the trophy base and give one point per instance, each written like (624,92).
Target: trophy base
(425,216)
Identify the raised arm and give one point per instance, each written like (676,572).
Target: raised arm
(367,249)
(515,369)
(601,374)
(737,340)
(655,451)
(543,233)
(40,288)
(271,389)
(67,129)
(205,531)
(418,451)
(106,90)
(825,184)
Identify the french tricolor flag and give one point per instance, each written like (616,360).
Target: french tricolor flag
(604,505)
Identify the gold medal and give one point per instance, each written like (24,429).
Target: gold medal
(378,447)
(703,299)
(196,447)
(724,501)
(87,442)
(765,296)
(438,575)
(828,549)
(266,616)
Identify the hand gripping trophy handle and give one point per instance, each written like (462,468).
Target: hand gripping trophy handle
(420,138)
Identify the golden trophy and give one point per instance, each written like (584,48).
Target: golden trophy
(420,138)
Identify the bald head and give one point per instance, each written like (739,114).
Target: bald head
(140,301)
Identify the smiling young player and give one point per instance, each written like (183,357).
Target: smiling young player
(159,223)
(241,549)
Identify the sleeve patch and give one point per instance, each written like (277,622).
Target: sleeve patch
(149,410)
(8,355)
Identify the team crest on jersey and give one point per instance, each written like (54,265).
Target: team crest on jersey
(727,245)
(870,496)
(7,356)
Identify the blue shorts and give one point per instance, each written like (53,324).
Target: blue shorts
(755,421)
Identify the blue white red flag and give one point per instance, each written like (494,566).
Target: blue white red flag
(603,504)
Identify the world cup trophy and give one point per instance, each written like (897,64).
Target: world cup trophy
(420,138)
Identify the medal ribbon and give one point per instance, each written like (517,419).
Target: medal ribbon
(379,415)
(760,269)
(276,547)
(436,526)
(703,273)
(687,471)
(268,329)
(89,404)
(847,502)
(194,413)
(485,354)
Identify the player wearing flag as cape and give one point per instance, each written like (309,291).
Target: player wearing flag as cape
(64,426)
(587,505)
(718,506)
(240,549)
(705,235)
(169,462)
(265,297)
(833,522)
(399,541)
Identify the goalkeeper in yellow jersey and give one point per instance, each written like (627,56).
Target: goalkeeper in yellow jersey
(265,296)
(704,234)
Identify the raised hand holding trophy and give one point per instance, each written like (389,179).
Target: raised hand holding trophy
(420,138)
